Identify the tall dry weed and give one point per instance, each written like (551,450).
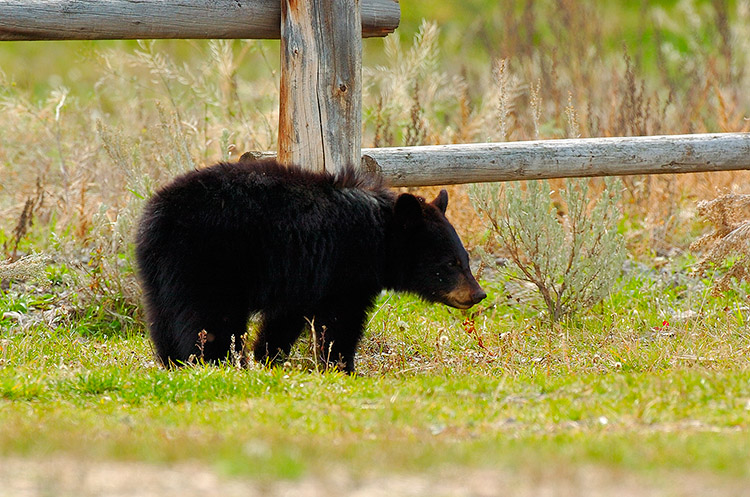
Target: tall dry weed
(728,243)
(149,119)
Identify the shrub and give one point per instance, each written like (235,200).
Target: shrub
(573,259)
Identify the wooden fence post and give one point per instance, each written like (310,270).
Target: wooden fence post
(320,118)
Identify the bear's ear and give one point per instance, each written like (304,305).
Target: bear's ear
(408,210)
(441,201)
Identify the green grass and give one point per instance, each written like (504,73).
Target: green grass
(617,388)
(289,423)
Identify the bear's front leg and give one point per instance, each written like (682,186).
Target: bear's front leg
(338,331)
(278,332)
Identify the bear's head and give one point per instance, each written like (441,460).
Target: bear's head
(432,261)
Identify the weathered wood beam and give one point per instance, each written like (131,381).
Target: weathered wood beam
(482,162)
(320,115)
(146,19)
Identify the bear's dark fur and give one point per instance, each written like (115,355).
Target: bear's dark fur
(221,243)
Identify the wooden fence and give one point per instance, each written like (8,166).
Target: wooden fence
(582,157)
(320,118)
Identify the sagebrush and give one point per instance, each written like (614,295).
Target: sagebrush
(573,258)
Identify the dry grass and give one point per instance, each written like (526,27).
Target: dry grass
(538,90)
(78,161)
(729,215)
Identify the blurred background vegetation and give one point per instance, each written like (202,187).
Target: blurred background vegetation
(90,129)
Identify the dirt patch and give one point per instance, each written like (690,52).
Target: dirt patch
(66,477)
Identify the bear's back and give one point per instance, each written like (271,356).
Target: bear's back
(245,184)
(281,231)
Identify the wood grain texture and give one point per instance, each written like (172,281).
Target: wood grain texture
(482,162)
(145,19)
(320,116)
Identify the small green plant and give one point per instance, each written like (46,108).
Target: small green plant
(572,259)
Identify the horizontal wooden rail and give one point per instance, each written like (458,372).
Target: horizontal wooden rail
(482,162)
(148,19)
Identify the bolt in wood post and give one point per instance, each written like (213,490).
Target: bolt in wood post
(320,119)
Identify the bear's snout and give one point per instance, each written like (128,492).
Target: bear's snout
(478,295)
(466,294)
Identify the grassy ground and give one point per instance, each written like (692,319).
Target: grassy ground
(618,390)
(647,393)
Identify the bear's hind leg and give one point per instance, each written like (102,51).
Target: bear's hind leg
(278,332)
(161,330)
(174,335)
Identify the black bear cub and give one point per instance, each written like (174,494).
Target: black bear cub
(222,243)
